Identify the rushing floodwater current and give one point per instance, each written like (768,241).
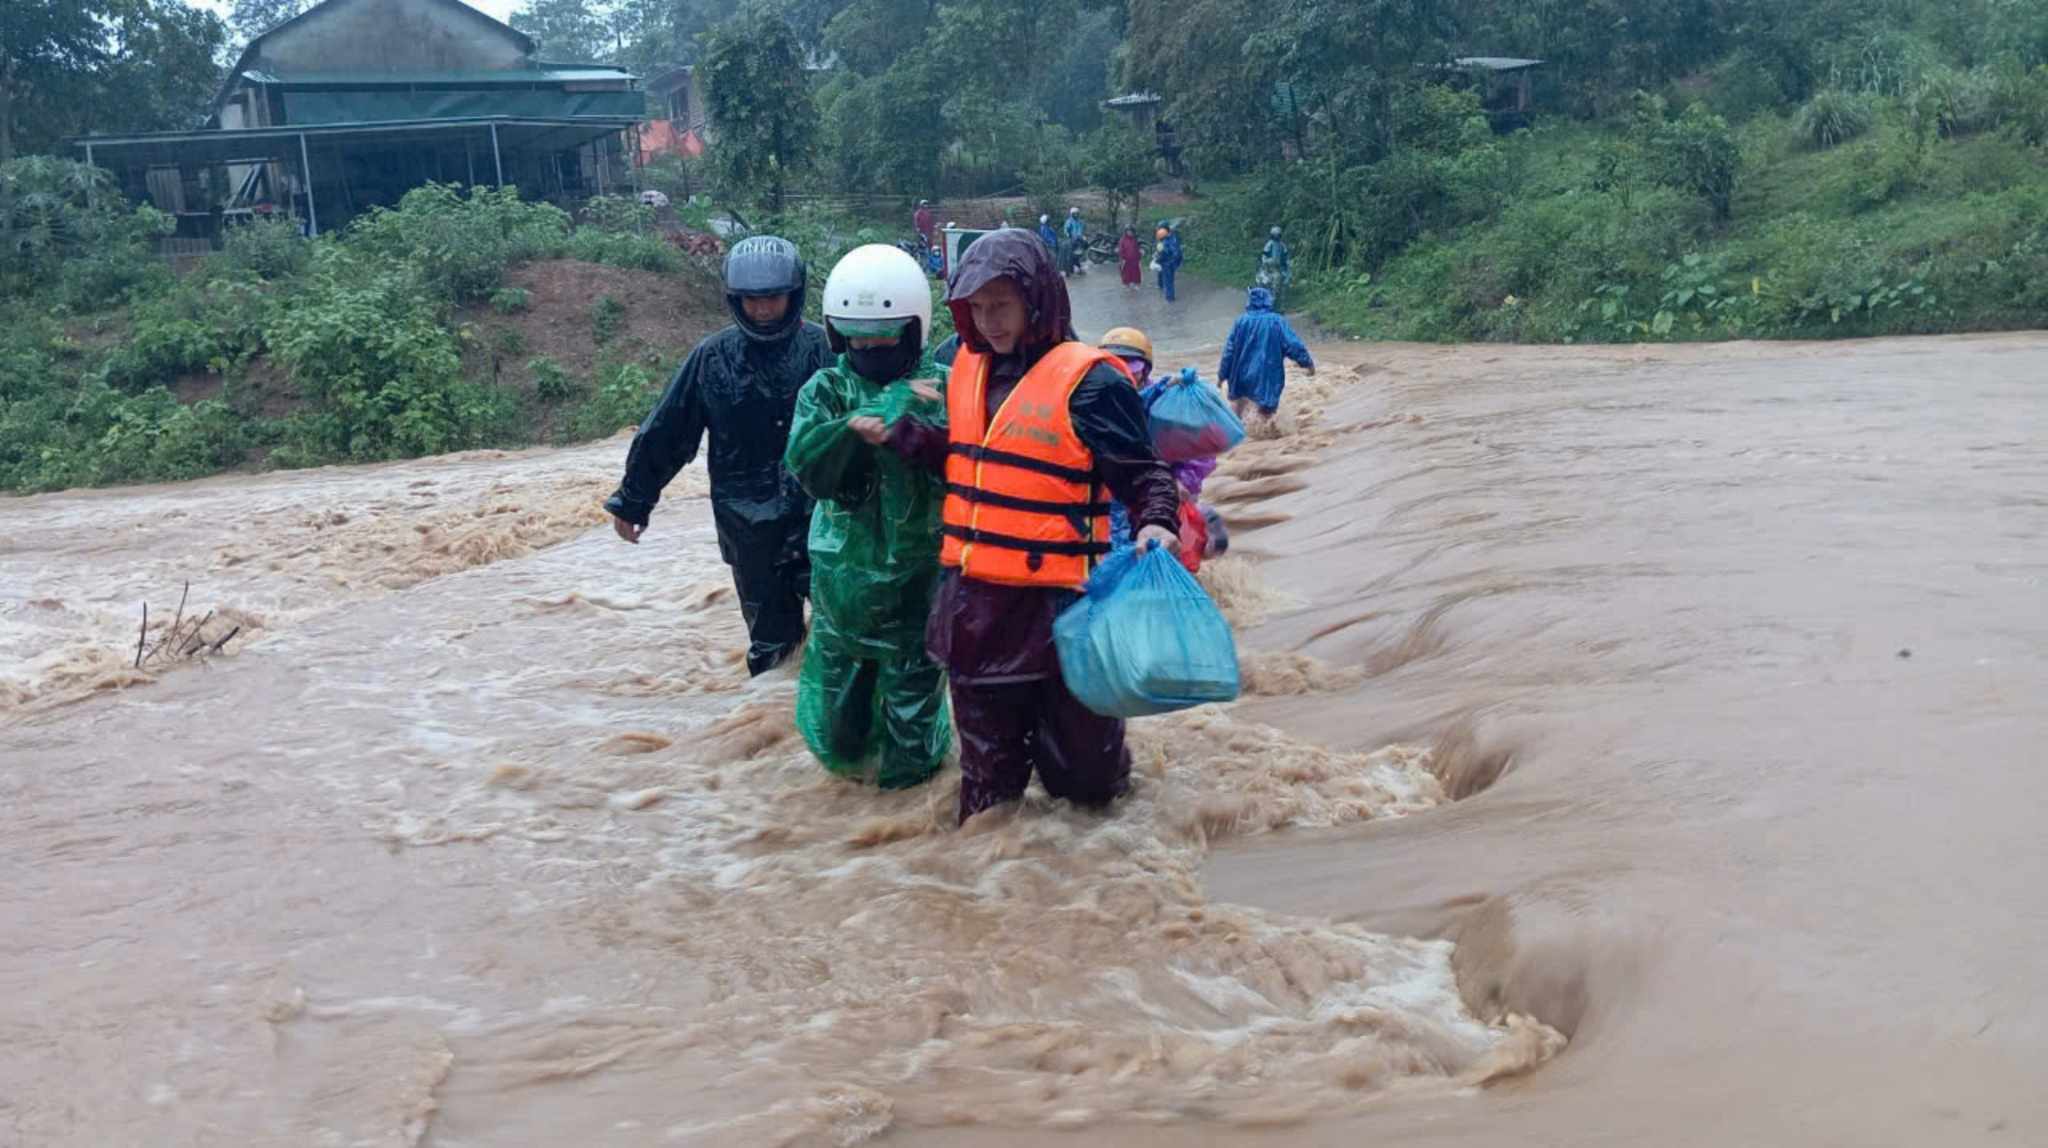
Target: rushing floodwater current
(1686,704)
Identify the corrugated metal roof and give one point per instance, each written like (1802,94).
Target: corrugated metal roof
(555,75)
(1135,99)
(1496,63)
(216,146)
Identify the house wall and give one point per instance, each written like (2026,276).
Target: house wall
(389,36)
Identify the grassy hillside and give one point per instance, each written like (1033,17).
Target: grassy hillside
(1909,227)
(451,323)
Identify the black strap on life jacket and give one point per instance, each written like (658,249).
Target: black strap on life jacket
(1090,549)
(1021,462)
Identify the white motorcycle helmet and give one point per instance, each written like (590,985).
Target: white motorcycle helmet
(877,291)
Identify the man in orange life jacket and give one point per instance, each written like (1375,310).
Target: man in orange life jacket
(1042,430)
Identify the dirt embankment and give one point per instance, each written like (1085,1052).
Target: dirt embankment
(658,318)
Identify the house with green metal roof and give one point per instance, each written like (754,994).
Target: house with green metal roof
(355,102)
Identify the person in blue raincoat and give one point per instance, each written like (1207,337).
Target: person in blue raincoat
(1254,368)
(1168,258)
(1048,236)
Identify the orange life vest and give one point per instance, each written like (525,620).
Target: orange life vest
(1023,504)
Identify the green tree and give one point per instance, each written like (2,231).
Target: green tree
(758,96)
(72,66)
(1218,96)
(569,29)
(160,71)
(868,36)
(1120,161)
(252,18)
(44,46)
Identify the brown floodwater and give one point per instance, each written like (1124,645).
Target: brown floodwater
(1578,708)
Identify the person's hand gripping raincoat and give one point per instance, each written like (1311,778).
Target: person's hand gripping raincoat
(870,704)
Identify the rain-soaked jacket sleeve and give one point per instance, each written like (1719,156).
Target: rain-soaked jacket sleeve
(922,444)
(665,443)
(828,460)
(1296,349)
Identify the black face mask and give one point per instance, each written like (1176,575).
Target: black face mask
(885,364)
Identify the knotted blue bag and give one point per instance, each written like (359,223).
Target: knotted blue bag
(1144,638)
(1190,420)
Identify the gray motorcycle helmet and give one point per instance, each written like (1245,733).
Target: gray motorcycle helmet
(765,265)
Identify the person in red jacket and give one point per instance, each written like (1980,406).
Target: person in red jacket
(1128,253)
(1042,431)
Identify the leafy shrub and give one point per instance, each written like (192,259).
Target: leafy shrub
(1745,86)
(617,249)
(551,383)
(1951,103)
(1833,117)
(61,428)
(607,316)
(511,300)
(617,213)
(212,321)
(1698,153)
(62,225)
(266,249)
(509,342)
(625,392)
(2019,102)
(461,243)
(365,344)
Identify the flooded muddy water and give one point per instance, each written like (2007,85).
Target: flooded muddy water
(478,833)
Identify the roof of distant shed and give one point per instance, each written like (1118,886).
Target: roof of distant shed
(212,145)
(249,51)
(1496,63)
(551,74)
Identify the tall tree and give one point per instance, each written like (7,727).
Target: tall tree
(567,30)
(72,66)
(252,18)
(760,100)
(45,46)
(1121,161)
(161,70)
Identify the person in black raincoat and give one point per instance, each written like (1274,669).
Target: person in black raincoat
(740,386)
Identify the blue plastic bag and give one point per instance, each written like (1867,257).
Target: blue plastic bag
(1144,638)
(1190,420)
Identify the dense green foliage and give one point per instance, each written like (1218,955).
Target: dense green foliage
(359,329)
(1846,167)
(754,84)
(68,67)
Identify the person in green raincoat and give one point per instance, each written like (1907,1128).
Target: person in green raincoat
(870,704)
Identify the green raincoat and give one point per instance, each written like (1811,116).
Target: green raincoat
(870,704)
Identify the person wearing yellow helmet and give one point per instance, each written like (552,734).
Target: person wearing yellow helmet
(1134,348)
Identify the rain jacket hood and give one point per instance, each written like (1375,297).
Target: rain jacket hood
(1261,300)
(1018,256)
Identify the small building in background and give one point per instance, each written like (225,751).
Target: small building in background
(1142,110)
(1505,85)
(682,119)
(355,102)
